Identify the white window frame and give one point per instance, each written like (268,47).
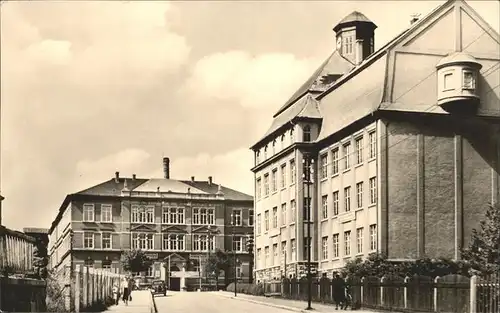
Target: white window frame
(259,225)
(203,242)
(292,171)
(359,195)
(259,188)
(324,206)
(335,245)
(90,239)
(211,216)
(335,161)
(110,240)
(473,80)
(372,137)
(266,184)
(88,212)
(142,241)
(359,240)
(173,215)
(373,237)
(347,243)
(283,176)
(174,242)
(266,220)
(293,208)
(236,219)
(266,256)
(275,217)
(274,180)
(373,190)
(293,249)
(283,214)
(359,150)
(324,250)
(143,214)
(108,209)
(346,147)
(324,165)
(347,199)
(237,243)
(276,259)
(335,199)
(251,217)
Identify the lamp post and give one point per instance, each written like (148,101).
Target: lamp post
(308,181)
(250,246)
(210,234)
(233,224)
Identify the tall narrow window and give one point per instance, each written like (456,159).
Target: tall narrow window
(347,155)
(236,218)
(274,180)
(266,220)
(259,188)
(106,213)
(257,157)
(88,240)
(324,248)
(335,241)
(324,165)
(250,217)
(275,254)
(359,240)
(292,210)
(292,171)
(282,142)
(274,146)
(335,161)
(283,214)
(324,207)
(88,212)
(347,243)
(266,256)
(259,230)
(266,184)
(373,190)
(335,198)
(373,237)
(373,144)
(106,240)
(359,194)
(275,217)
(347,199)
(359,150)
(283,176)
(307,133)
(265,152)
(293,247)
(292,137)
(469,81)
(448,81)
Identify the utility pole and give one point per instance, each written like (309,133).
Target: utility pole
(308,181)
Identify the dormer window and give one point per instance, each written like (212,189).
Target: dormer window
(348,44)
(448,81)
(307,133)
(469,80)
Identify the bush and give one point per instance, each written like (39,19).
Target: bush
(246,288)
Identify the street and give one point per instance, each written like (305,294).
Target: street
(206,302)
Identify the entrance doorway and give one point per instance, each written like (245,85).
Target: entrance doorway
(175,284)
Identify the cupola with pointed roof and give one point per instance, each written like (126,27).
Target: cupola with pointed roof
(355,35)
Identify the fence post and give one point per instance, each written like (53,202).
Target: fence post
(77,288)
(362,289)
(436,281)
(86,286)
(406,291)
(382,281)
(473,294)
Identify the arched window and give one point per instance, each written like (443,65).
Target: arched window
(307,133)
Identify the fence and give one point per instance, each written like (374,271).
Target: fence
(22,295)
(450,293)
(16,251)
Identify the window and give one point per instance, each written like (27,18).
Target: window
(307,247)
(292,210)
(143,214)
(265,152)
(347,242)
(266,256)
(335,161)
(259,188)
(173,215)
(238,243)
(106,241)
(359,194)
(359,150)
(239,271)
(106,213)
(283,176)
(283,250)
(282,142)
(88,212)
(294,249)
(469,81)
(347,199)
(236,218)
(307,133)
(373,237)
(335,241)
(347,152)
(274,146)
(274,178)
(292,171)
(373,190)
(250,218)
(324,206)
(359,240)
(203,242)
(266,220)
(307,209)
(275,217)
(142,241)
(448,81)
(373,144)
(173,242)
(259,260)
(283,214)
(203,216)
(149,272)
(292,136)
(257,157)
(88,240)
(266,184)
(335,197)
(275,254)
(258,224)
(324,245)
(324,166)
(348,45)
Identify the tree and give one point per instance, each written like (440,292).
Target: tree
(217,262)
(135,261)
(483,251)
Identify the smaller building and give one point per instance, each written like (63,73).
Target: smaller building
(179,223)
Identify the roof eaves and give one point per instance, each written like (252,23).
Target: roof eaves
(62,208)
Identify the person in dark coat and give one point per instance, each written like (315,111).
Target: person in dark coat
(338,290)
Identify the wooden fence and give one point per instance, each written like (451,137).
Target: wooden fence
(450,293)
(16,251)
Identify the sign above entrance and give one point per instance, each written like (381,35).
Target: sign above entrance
(152,256)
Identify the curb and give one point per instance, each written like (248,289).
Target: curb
(284,307)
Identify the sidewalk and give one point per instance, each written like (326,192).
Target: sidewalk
(141,303)
(291,305)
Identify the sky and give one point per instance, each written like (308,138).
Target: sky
(91,88)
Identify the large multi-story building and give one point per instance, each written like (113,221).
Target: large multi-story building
(403,145)
(178,222)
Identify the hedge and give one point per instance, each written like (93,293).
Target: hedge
(249,289)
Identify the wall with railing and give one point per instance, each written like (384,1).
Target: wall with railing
(450,293)
(16,251)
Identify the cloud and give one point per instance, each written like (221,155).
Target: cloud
(261,81)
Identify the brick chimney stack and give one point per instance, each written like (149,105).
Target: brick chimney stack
(166,168)
(117,177)
(210,180)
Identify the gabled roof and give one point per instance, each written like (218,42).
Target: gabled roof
(111,187)
(229,194)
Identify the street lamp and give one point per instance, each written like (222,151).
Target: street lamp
(210,233)
(308,181)
(250,246)
(233,224)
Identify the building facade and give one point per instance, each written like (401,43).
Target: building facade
(177,222)
(403,145)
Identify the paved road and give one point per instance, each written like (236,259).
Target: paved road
(206,302)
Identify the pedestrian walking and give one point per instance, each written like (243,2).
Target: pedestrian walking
(131,283)
(116,294)
(125,290)
(338,290)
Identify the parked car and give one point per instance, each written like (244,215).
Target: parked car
(158,287)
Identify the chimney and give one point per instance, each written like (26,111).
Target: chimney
(210,180)
(414,18)
(133,177)
(166,168)
(117,177)
(359,51)
(192,179)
